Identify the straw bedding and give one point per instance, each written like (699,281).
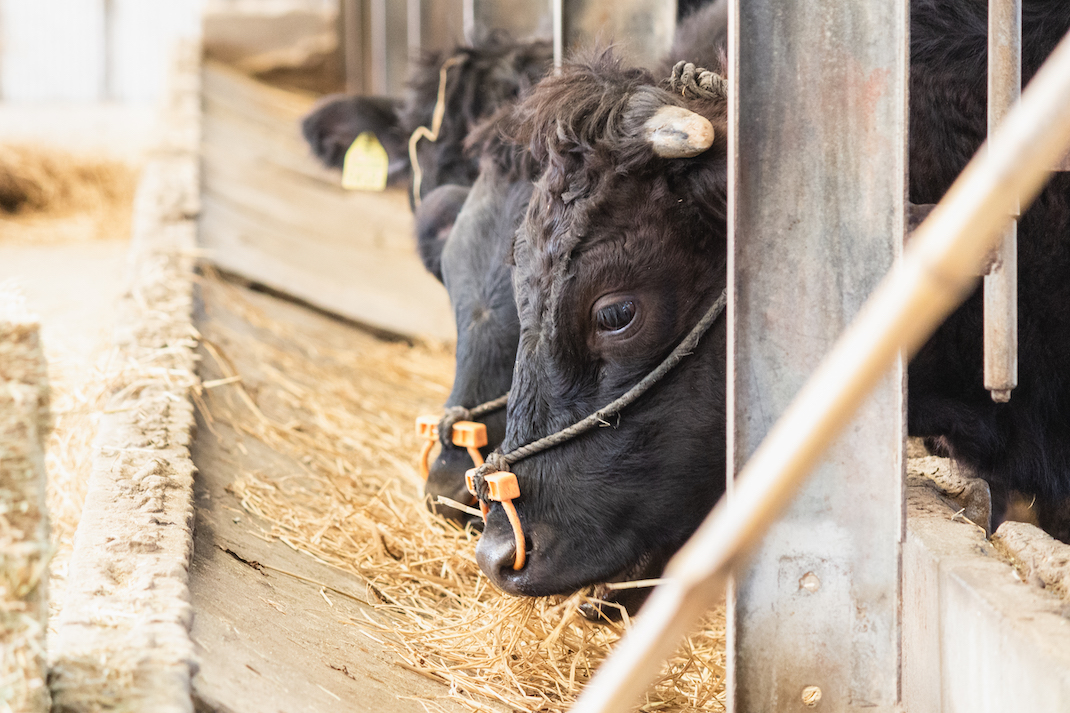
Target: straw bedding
(52,196)
(344,409)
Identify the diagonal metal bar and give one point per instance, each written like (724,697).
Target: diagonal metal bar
(935,275)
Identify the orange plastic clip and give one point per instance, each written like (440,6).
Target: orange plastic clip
(426,428)
(470,484)
(472,436)
(469,435)
(502,487)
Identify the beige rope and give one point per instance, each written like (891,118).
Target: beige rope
(422,132)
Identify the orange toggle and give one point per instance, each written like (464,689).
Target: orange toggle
(502,487)
(466,434)
(472,436)
(426,428)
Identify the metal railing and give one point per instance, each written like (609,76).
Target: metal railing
(936,273)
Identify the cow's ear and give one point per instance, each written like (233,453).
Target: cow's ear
(336,121)
(434,220)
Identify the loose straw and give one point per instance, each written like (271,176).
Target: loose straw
(934,276)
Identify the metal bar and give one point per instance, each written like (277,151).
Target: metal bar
(812,230)
(558,12)
(468,10)
(377,26)
(414,26)
(935,275)
(1001,282)
(352,36)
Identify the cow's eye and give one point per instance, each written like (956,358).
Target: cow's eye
(616,316)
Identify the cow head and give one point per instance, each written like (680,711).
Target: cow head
(622,251)
(480,79)
(337,120)
(473,262)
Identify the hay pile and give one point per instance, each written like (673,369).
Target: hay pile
(50,195)
(345,411)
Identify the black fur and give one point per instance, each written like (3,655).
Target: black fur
(474,262)
(1024,444)
(336,121)
(608,217)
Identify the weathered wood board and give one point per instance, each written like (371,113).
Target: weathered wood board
(272,215)
(267,640)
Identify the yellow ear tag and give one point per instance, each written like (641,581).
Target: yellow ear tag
(366,164)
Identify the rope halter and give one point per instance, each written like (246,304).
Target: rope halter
(493,481)
(422,132)
(464,431)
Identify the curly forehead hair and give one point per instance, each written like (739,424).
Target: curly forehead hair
(584,127)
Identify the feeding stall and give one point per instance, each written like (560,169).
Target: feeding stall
(253,536)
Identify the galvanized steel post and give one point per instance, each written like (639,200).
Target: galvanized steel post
(642,29)
(1001,282)
(816,218)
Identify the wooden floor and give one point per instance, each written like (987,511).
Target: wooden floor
(267,639)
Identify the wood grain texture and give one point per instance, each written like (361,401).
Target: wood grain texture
(272,215)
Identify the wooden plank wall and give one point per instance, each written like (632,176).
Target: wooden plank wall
(271,214)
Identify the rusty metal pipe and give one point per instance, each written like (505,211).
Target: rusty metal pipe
(1001,282)
(934,276)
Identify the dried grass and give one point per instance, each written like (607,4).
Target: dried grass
(77,401)
(345,412)
(48,195)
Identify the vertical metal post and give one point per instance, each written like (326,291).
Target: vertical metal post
(352,36)
(468,10)
(1001,282)
(377,42)
(817,166)
(414,26)
(558,11)
(643,29)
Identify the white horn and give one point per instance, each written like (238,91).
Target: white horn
(676,132)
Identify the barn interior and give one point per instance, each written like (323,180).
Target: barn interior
(237,348)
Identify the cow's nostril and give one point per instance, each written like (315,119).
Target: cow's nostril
(495,554)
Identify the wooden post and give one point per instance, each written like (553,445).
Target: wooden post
(818,159)
(24,544)
(1001,283)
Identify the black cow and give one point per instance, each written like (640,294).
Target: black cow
(489,75)
(623,250)
(475,259)
(486,76)
(475,270)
